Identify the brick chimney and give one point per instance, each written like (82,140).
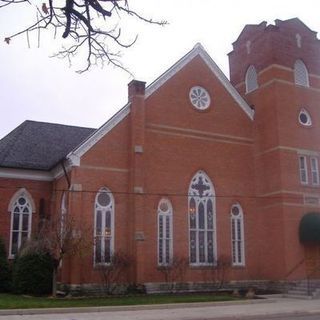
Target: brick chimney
(136,240)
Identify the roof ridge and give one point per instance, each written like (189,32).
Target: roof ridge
(59,124)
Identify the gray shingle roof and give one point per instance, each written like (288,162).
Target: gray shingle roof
(40,145)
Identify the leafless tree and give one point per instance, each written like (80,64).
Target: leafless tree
(174,272)
(220,269)
(87,23)
(63,237)
(115,273)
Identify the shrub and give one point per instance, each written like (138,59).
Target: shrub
(5,271)
(32,273)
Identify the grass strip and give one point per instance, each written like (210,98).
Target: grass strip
(11,301)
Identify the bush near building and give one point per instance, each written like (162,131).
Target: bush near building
(32,273)
(5,271)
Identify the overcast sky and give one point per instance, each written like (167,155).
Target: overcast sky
(37,87)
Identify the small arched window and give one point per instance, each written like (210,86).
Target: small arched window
(63,215)
(298,39)
(301,75)
(164,232)
(202,220)
(21,208)
(104,227)
(237,235)
(251,79)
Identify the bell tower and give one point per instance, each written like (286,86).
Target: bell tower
(276,68)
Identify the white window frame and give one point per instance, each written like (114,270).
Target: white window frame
(202,200)
(22,193)
(251,79)
(314,167)
(104,209)
(165,235)
(63,213)
(303,170)
(237,237)
(307,114)
(63,217)
(301,74)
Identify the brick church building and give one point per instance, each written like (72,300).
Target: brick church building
(194,166)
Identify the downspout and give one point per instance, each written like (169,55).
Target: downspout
(66,174)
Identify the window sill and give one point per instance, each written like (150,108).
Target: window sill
(202,267)
(101,265)
(238,266)
(313,186)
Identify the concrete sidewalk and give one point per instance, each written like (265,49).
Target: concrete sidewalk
(271,306)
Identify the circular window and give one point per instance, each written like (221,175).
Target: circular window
(235,210)
(103,199)
(164,206)
(199,97)
(304,118)
(22,201)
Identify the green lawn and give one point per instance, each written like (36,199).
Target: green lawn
(10,301)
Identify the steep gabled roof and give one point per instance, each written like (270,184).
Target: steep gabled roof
(198,49)
(39,145)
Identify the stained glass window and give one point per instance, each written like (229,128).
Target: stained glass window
(21,215)
(202,233)
(237,235)
(104,227)
(165,246)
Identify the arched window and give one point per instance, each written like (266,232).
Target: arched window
(298,39)
(251,79)
(63,214)
(237,235)
(104,227)
(164,232)
(21,208)
(301,75)
(202,225)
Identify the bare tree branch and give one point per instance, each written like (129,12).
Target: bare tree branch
(82,22)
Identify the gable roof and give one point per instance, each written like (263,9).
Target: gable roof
(198,49)
(39,145)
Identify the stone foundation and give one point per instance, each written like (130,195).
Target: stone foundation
(259,286)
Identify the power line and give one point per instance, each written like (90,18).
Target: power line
(163,194)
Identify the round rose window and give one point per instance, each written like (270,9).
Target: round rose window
(304,118)
(235,210)
(199,97)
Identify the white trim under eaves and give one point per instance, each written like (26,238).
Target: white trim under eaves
(26,174)
(75,155)
(199,50)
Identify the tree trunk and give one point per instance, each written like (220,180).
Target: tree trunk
(54,282)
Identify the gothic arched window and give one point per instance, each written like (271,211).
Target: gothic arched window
(164,232)
(251,79)
(237,235)
(202,220)
(103,227)
(301,75)
(21,208)
(63,214)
